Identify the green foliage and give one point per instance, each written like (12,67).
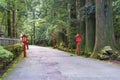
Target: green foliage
(116,20)
(16,49)
(8,54)
(5,53)
(5,57)
(116,16)
(117,29)
(87,11)
(3,8)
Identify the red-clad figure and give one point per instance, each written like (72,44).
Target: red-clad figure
(24,40)
(78,41)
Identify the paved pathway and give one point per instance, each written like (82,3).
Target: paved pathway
(49,64)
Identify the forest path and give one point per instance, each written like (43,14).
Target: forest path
(44,63)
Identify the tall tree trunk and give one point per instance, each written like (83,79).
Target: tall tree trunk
(90,28)
(104,27)
(110,23)
(34,27)
(9,23)
(73,30)
(14,23)
(81,22)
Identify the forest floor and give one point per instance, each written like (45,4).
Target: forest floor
(44,63)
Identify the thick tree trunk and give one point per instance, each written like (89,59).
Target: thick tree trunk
(104,28)
(89,29)
(110,23)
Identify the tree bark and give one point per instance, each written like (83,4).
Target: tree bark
(9,23)
(34,33)
(14,24)
(104,35)
(90,28)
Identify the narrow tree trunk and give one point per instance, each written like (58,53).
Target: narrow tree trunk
(90,28)
(73,29)
(73,17)
(34,27)
(80,5)
(2,21)
(9,23)
(14,23)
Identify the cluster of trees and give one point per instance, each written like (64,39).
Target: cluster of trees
(96,20)
(13,13)
(91,18)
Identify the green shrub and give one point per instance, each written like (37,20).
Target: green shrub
(16,49)
(9,53)
(5,53)
(5,57)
